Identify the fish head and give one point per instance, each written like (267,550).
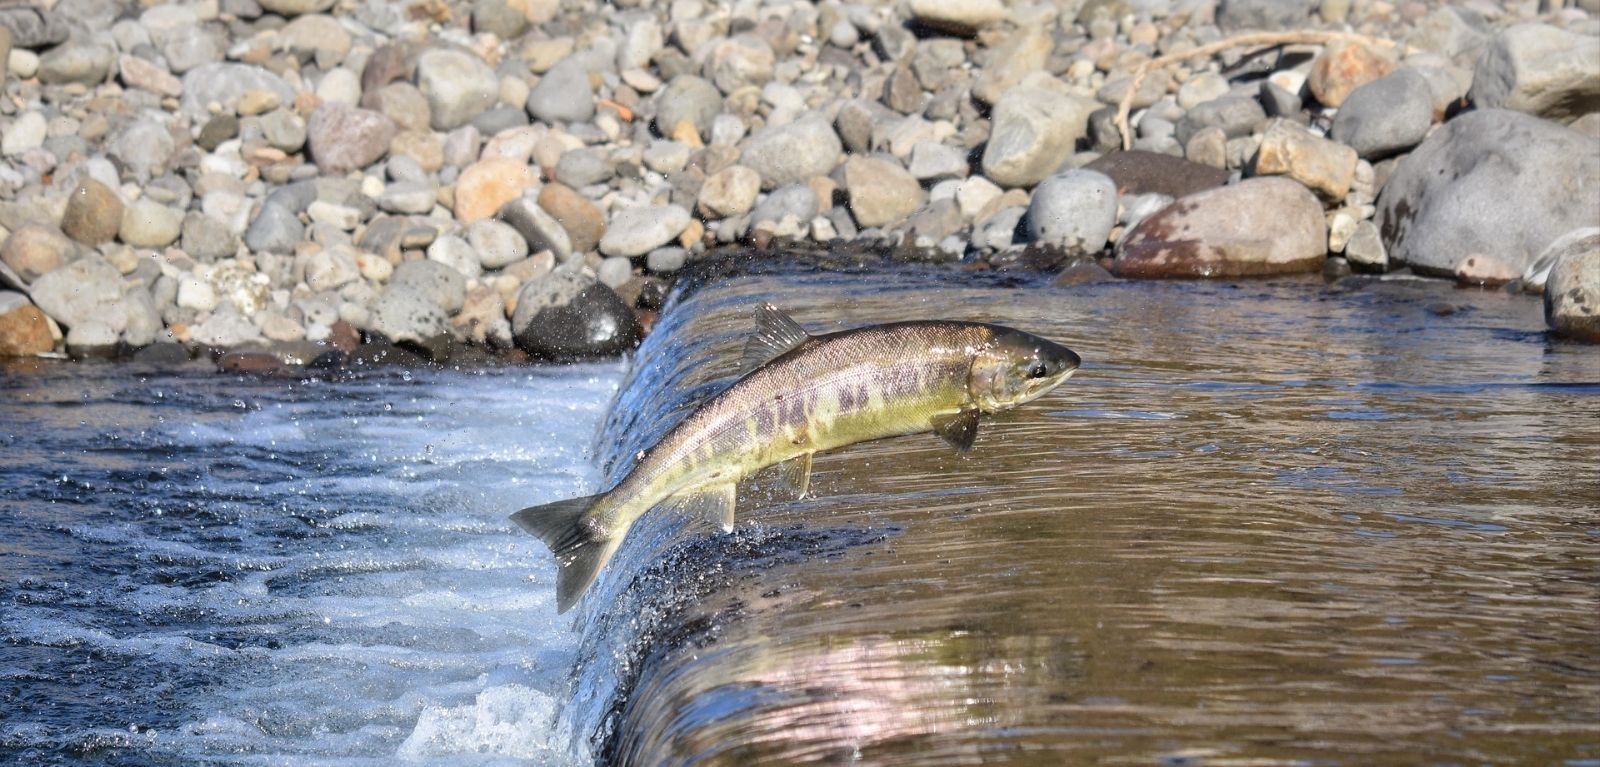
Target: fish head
(1017,367)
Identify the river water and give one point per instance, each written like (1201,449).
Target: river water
(1268,522)
(198,568)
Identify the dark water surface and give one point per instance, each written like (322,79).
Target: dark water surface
(1267,523)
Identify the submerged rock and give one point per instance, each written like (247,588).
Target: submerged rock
(1572,292)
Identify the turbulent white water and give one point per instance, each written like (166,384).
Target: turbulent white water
(252,572)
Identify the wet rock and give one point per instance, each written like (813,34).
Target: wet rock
(1492,182)
(343,138)
(666,260)
(1541,70)
(1082,273)
(1324,166)
(445,287)
(1386,116)
(92,338)
(1343,67)
(1572,292)
(1478,270)
(457,85)
(1074,211)
(569,316)
(1034,129)
(1269,15)
(149,224)
(94,213)
(881,193)
(792,153)
(961,17)
(687,100)
(74,293)
(578,218)
(541,230)
(24,331)
(37,249)
(634,232)
(1139,172)
(482,319)
(497,244)
(1258,226)
(563,95)
(729,192)
(488,184)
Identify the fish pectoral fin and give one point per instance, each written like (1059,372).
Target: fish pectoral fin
(794,476)
(960,429)
(775,334)
(715,503)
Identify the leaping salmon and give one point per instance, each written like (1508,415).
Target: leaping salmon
(805,394)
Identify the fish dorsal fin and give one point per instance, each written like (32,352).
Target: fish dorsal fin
(959,429)
(794,476)
(714,504)
(775,334)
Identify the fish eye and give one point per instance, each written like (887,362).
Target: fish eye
(1038,370)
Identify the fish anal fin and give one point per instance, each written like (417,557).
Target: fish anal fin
(580,555)
(794,476)
(959,429)
(714,503)
(775,334)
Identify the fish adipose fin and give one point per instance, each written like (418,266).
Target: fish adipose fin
(714,504)
(579,555)
(776,333)
(794,476)
(960,429)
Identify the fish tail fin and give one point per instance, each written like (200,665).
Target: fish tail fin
(579,554)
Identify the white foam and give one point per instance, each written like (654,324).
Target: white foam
(410,619)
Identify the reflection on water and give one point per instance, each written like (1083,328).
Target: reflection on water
(1267,523)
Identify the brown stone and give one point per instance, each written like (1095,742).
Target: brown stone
(344,337)
(1141,172)
(250,362)
(37,249)
(25,332)
(488,184)
(881,193)
(94,213)
(1344,67)
(1259,226)
(582,220)
(1326,167)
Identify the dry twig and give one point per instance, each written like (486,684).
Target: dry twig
(1273,39)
